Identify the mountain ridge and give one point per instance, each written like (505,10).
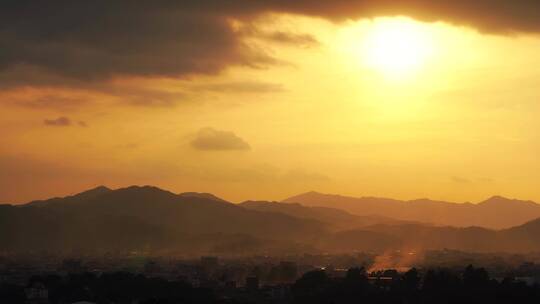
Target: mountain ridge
(148,218)
(140,217)
(337,218)
(203,195)
(496,212)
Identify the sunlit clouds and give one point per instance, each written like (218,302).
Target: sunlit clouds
(266,104)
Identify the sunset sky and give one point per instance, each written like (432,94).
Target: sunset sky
(267,99)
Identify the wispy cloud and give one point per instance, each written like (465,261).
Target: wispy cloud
(58,122)
(209,139)
(63,121)
(241,87)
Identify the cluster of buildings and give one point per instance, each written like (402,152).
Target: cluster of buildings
(260,278)
(257,278)
(198,271)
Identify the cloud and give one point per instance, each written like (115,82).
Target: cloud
(63,121)
(76,42)
(58,122)
(101,39)
(496,16)
(241,87)
(282,37)
(209,139)
(145,97)
(304,40)
(52,102)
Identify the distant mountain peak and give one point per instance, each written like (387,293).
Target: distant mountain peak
(97,190)
(146,190)
(137,187)
(91,193)
(94,192)
(204,195)
(270,203)
(308,194)
(85,195)
(499,200)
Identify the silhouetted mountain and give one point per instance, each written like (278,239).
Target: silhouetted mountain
(496,212)
(418,237)
(85,195)
(138,217)
(523,238)
(335,218)
(148,218)
(209,196)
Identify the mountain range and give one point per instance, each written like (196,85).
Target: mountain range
(151,219)
(336,219)
(496,212)
(141,217)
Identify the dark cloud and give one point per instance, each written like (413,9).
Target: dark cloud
(497,16)
(210,139)
(89,41)
(19,74)
(75,42)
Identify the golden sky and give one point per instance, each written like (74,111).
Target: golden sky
(388,106)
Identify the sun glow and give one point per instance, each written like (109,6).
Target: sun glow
(397,46)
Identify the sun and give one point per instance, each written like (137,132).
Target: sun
(396,46)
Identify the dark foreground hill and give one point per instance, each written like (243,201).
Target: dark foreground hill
(151,219)
(144,217)
(496,212)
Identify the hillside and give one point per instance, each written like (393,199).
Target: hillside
(335,218)
(151,219)
(209,196)
(496,212)
(419,237)
(139,217)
